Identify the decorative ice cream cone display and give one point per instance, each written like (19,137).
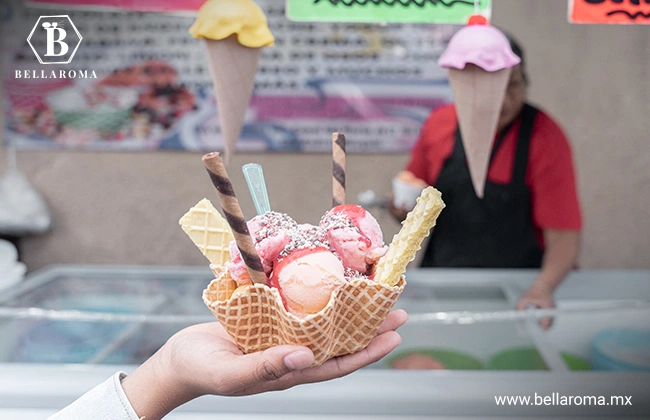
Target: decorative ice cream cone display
(235,31)
(479,59)
(328,286)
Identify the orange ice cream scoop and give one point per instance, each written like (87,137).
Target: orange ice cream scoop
(306,279)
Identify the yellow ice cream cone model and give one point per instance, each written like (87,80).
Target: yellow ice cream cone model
(234,31)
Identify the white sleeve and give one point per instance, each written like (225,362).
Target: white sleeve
(107,401)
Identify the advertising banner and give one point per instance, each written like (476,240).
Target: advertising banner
(89,80)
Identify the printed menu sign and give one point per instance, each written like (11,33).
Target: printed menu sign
(610,11)
(412,11)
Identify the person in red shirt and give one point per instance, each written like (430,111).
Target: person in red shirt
(529,216)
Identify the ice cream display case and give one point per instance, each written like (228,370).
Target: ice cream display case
(67,328)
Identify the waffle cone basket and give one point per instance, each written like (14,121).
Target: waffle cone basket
(257,320)
(255,317)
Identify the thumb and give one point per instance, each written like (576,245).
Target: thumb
(271,364)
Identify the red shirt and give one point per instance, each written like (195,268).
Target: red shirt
(549,175)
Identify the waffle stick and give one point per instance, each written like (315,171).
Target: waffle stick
(234,216)
(338,169)
(407,242)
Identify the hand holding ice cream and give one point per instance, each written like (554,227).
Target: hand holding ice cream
(186,368)
(327,286)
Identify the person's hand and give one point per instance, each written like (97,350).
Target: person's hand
(399,213)
(203,359)
(539,297)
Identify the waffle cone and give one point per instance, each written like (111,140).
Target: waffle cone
(233,67)
(256,319)
(478,96)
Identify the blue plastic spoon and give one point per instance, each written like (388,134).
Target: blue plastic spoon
(256,185)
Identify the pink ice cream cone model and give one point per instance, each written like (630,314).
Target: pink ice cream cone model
(479,59)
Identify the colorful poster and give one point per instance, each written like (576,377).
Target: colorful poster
(412,11)
(609,11)
(139,81)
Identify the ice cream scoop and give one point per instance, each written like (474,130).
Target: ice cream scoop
(271,232)
(306,279)
(355,236)
(306,262)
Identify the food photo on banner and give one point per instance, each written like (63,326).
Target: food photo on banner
(140,81)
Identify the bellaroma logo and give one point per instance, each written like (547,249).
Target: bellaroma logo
(54,39)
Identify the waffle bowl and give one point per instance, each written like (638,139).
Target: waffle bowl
(257,320)
(255,317)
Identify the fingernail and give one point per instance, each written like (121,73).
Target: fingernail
(298,360)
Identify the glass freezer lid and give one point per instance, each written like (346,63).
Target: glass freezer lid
(111,291)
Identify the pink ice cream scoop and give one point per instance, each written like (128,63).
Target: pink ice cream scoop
(306,279)
(355,236)
(271,233)
(479,44)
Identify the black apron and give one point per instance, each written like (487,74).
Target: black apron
(495,231)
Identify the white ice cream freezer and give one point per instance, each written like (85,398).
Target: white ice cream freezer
(67,328)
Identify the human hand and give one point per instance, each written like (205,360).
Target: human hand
(539,297)
(203,359)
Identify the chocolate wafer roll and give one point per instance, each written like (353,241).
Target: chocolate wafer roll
(338,169)
(234,216)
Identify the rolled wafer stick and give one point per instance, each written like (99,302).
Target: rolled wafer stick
(338,169)
(234,216)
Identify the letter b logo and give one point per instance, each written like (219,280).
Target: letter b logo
(55,35)
(54,39)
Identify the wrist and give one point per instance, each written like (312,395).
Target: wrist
(152,390)
(542,286)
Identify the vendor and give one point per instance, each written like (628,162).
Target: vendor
(529,216)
